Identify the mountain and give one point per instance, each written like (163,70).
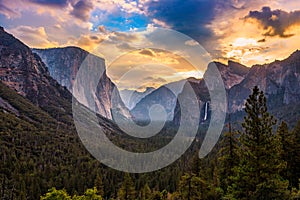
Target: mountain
(63,65)
(202,100)
(280,80)
(162,96)
(23,71)
(232,74)
(38,137)
(132,97)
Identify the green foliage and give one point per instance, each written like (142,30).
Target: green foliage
(127,190)
(54,194)
(258,174)
(40,150)
(295,157)
(156,196)
(145,192)
(287,139)
(228,157)
(190,187)
(99,185)
(90,194)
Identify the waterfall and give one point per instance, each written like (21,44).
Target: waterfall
(205,111)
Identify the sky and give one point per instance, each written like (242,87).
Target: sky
(122,31)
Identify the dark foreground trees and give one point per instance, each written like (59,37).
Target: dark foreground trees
(257,162)
(258,175)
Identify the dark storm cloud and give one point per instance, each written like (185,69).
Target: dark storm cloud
(60,3)
(93,37)
(275,22)
(189,16)
(82,9)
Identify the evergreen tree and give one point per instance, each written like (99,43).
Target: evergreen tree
(127,190)
(196,164)
(99,185)
(287,142)
(190,187)
(295,158)
(146,192)
(91,194)
(156,196)
(228,158)
(164,194)
(258,174)
(54,194)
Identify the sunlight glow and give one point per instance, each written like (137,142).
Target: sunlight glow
(241,42)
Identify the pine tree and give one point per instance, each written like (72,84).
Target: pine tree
(91,194)
(146,192)
(228,158)
(287,142)
(295,158)
(127,190)
(99,185)
(258,174)
(56,194)
(190,187)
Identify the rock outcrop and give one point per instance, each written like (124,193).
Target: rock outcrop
(63,65)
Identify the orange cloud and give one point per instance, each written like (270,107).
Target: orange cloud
(35,37)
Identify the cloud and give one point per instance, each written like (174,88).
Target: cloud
(82,10)
(275,22)
(147,52)
(34,36)
(56,3)
(189,17)
(88,42)
(123,36)
(153,79)
(94,37)
(8,12)
(102,29)
(160,23)
(262,40)
(191,43)
(125,47)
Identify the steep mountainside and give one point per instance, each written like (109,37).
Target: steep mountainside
(132,97)
(232,74)
(63,65)
(24,72)
(162,96)
(38,140)
(280,80)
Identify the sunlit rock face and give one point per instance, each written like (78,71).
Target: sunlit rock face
(63,65)
(280,80)
(24,71)
(232,74)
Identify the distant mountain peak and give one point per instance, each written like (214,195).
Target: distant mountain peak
(193,79)
(232,74)
(295,55)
